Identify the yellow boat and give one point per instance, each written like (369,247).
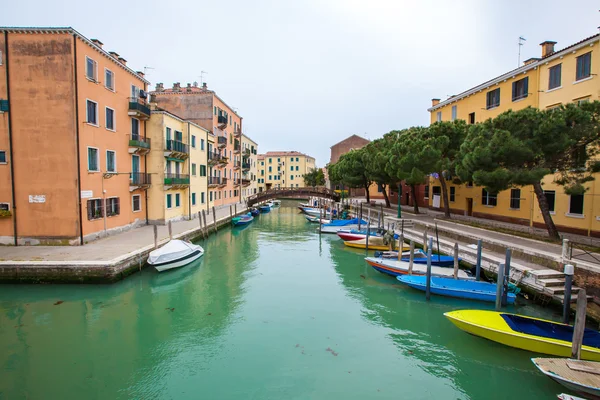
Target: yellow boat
(527,333)
(375,243)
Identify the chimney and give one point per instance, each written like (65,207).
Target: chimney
(97,42)
(122,61)
(177,87)
(114,54)
(140,74)
(159,87)
(531,60)
(547,48)
(204,86)
(435,102)
(188,88)
(195,84)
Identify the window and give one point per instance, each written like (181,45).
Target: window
(296,168)
(452,193)
(215,112)
(582,101)
(4,206)
(136,203)
(91,69)
(454,112)
(270,160)
(110,119)
(91,112)
(292,178)
(93,162)
(169,200)
(270,169)
(297,159)
(438,116)
(111,161)
(135,91)
(488,199)
(169,167)
(2,157)
(168,133)
(201,144)
(270,177)
(109,79)
(426,191)
(94,209)
(291,168)
(550,198)
(135,127)
(177,199)
(193,169)
(112,206)
(493,99)
(179,136)
(193,199)
(576,203)
(203,170)
(555,78)
(515,199)
(584,66)
(520,89)
(472,118)
(193,141)
(210,196)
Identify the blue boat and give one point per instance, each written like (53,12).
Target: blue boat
(255,212)
(420,257)
(242,220)
(463,289)
(345,222)
(264,209)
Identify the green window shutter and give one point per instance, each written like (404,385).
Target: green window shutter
(4,105)
(168,201)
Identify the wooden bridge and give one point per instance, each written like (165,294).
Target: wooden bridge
(300,193)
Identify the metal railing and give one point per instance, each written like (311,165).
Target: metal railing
(174,145)
(139,105)
(140,178)
(139,141)
(222,141)
(246,165)
(222,120)
(177,179)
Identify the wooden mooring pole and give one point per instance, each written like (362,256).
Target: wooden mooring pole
(411,258)
(155,236)
(215,219)
(170,231)
(569,271)
(499,287)
(579,324)
(506,277)
(368,229)
(428,286)
(478,263)
(455,275)
(425,240)
(230,212)
(205,225)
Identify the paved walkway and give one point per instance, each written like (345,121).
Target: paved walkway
(107,248)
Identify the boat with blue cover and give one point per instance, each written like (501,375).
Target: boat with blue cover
(463,289)
(419,257)
(242,220)
(265,208)
(255,212)
(339,224)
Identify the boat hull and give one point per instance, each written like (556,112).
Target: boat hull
(590,391)
(375,243)
(471,290)
(179,263)
(265,209)
(396,268)
(490,325)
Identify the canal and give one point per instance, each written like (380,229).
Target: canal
(272,311)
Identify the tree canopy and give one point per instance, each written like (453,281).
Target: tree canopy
(316,177)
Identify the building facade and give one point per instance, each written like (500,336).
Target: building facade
(285,168)
(340,148)
(204,108)
(72,138)
(260,173)
(559,77)
(249,152)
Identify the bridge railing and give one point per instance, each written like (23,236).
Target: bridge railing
(291,192)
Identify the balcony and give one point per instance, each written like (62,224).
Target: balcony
(237,133)
(223,182)
(176,149)
(139,180)
(223,161)
(222,121)
(245,166)
(245,182)
(246,152)
(236,164)
(139,145)
(221,142)
(236,147)
(214,181)
(138,108)
(176,180)
(214,158)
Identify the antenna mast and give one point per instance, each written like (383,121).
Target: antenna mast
(521,40)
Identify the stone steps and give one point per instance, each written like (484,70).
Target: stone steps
(552,282)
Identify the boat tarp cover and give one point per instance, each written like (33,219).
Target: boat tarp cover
(551,330)
(173,250)
(344,222)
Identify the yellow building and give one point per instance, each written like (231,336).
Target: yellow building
(557,77)
(249,168)
(178,163)
(284,169)
(260,172)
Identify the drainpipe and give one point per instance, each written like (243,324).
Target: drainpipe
(190,175)
(77,141)
(146,169)
(10,142)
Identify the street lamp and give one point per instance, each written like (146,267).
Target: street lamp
(399,197)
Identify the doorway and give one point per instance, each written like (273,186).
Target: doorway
(469,211)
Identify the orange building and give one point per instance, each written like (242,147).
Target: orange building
(72,138)
(203,107)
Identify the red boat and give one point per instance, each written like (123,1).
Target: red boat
(349,236)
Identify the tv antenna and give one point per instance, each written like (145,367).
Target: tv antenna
(147,68)
(202,77)
(521,40)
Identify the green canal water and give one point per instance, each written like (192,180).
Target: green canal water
(272,311)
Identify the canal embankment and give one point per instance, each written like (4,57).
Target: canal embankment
(105,260)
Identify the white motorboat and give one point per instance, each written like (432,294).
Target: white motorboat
(316,212)
(276,203)
(174,254)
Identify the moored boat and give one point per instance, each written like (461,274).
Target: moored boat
(396,268)
(527,333)
(242,220)
(375,243)
(337,224)
(316,212)
(276,203)
(176,253)
(354,234)
(419,257)
(265,208)
(463,289)
(582,377)
(310,218)
(254,211)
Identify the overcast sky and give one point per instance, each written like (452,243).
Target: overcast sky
(307,74)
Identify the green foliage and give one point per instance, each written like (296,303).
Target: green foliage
(5,213)
(404,163)
(316,177)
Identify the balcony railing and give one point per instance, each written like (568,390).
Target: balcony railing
(236,164)
(237,133)
(214,158)
(174,145)
(245,182)
(223,181)
(246,152)
(139,141)
(214,180)
(139,179)
(246,165)
(177,179)
(222,141)
(222,120)
(138,108)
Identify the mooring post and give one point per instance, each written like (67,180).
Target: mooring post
(506,277)
(235,209)
(569,271)
(230,212)
(381,214)
(478,264)
(320,217)
(499,287)
(400,244)
(215,219)
(565,250)
(170,231)
(411,257)
(455,275)
(360,214)
(368,228)
(155,236)
(425,240)
(205,225)
(200,220)
(428,287)
(579,324)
